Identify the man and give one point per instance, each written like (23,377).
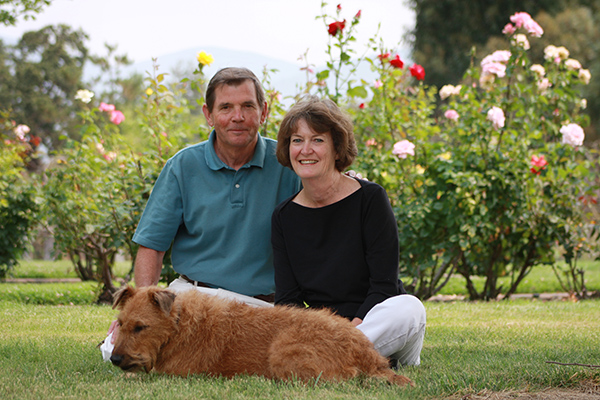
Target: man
(213,201)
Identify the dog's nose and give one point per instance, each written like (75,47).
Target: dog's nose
(116,359)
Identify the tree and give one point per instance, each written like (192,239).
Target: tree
(446,30)
(443,38)
(42,73)
(12,10)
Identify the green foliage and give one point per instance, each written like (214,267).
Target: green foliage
(466,198)
(41,75)
(12,10)
(98,189)
(17,197)
(442,37)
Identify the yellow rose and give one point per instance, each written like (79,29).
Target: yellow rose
(204,58)
(149,91)
(445,156)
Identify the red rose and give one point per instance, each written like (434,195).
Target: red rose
(336,27)
(418,72)
(361,106)
(397,62)
(538,164)
(384,56)
(358,14)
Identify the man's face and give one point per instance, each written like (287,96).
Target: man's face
(236,115)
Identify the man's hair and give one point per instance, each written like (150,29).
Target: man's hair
(321,116)
(233,76)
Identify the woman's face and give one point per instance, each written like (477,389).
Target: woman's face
(312,154)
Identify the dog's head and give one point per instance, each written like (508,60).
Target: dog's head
(147,320)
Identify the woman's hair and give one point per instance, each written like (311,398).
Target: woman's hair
(321,115)
(233,76)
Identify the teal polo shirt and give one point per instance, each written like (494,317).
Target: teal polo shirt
(218,219)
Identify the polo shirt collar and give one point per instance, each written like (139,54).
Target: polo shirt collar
(215,163)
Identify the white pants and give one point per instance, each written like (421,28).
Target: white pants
(181,285)
(396,327)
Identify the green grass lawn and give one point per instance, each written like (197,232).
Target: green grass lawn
(49,352)
(50,332)
(49,269)
(541,279)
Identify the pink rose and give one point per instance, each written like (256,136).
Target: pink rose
(377,84)
(494,68)
(403,148)
(116,117)
(524,20)
(533,28)
(519,18)
(451,114)
(371,142)
(21,131)
(106,107)
(496,115)
(544,84)
(509,29)
(572,134)
(499,56)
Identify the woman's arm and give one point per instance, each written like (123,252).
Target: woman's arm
(380,239)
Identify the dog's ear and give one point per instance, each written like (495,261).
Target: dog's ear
(164,300)
(121,296)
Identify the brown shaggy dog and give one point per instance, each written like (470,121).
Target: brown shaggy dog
(191,333)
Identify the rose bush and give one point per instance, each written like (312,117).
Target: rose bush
(492,188)
(18,206)
(97,189)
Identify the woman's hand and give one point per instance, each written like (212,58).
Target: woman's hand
(356,321)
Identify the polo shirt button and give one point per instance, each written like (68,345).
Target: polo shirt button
(237,185)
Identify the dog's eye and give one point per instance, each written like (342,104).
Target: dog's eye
(139,328)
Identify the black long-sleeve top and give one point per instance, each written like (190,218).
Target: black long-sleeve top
(343,256)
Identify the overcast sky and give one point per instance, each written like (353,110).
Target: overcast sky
(282,29)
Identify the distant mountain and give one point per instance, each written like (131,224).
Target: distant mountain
(287,79)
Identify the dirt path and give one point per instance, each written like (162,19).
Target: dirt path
(587,390)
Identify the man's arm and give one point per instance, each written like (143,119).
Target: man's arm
(148,264)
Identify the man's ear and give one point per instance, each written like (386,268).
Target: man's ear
(265,111)
(208,115)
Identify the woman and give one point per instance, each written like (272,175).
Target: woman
(335,242)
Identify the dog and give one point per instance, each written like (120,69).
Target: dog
(195,333)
